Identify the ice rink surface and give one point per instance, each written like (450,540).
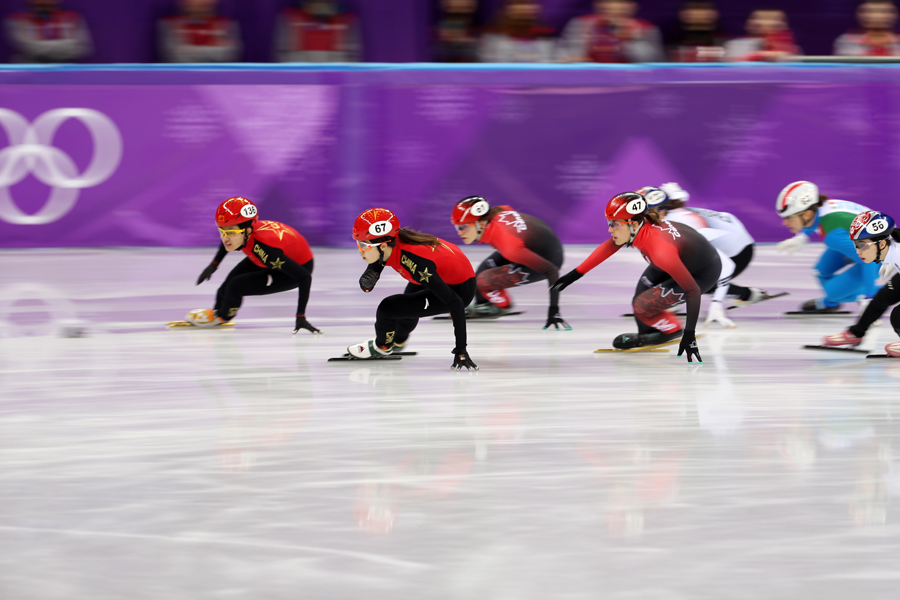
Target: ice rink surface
(139,462)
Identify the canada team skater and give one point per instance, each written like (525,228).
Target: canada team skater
(683,266)
(877,241)
(804,210)
(723,230)
(440,279)
(278,259)
(527,251)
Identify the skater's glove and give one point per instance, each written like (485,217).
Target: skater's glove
(555,319)
(717,314)
(791,245)
(674,191)
(689,345)
(886,272)
(207,272)
(566,280)
(461,359)
(302,323)
(368,280)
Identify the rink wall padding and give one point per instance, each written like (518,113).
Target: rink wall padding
(101,156)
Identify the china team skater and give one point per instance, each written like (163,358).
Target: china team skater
(278,259)
(876,241)
(723,230)
(683,266)
(440,277)
(527,251)
(804,210)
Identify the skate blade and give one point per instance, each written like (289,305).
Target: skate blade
(630,315)
(778,295)
(641,349)
(479,317)
(882,356)
(835,349)
(800,313)
(348,358)
(173,324)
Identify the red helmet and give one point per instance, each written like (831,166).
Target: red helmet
(468,210)
(626,206)
(236,211)
(375,225)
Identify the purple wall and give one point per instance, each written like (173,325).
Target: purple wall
(141,156)
(398,30)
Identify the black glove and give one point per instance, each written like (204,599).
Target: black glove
(566,280)
(461,359)
(555,319)
(302,323)
(207,272)
(689,344)
(368,280)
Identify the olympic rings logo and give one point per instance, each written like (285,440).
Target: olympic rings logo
(30,150)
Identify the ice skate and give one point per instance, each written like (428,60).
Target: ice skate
(756,295)
(200,317)
(487,310)
(368,350)
(844,339)
(818,307)
(893,350)
(629,341)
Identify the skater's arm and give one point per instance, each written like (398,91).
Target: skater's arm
(665,256)
(603,251)
(426,274)
(220,254)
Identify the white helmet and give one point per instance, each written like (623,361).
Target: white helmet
(797,197)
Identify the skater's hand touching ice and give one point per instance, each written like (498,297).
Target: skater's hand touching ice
(302,323)
(689,344)
(461,359)
(555,319)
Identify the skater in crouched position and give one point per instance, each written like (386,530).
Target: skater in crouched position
(877,241)
(683,266)
(527,251)
(278,259)
(804,211)
(440,277)
(727,235)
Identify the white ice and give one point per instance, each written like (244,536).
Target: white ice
(138,462)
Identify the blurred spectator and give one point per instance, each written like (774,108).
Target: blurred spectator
(768,38)
(612,34)
(875,36)
(45,34)
(199,35)
(518,35)
(317,31)
(699,38)
(456,35)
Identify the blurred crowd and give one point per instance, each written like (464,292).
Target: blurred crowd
(322,31)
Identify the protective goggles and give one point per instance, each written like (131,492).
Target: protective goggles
(463,227)
(366,245)
(230,232)
(862,245)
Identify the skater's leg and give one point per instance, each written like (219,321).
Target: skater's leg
(885,298)
(741,261)
(493,283)
(243,280)
(398,315)
(491,262)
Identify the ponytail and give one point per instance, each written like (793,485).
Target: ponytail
(417,238)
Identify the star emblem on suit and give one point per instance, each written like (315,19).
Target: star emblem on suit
(277,263)
(425,276)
